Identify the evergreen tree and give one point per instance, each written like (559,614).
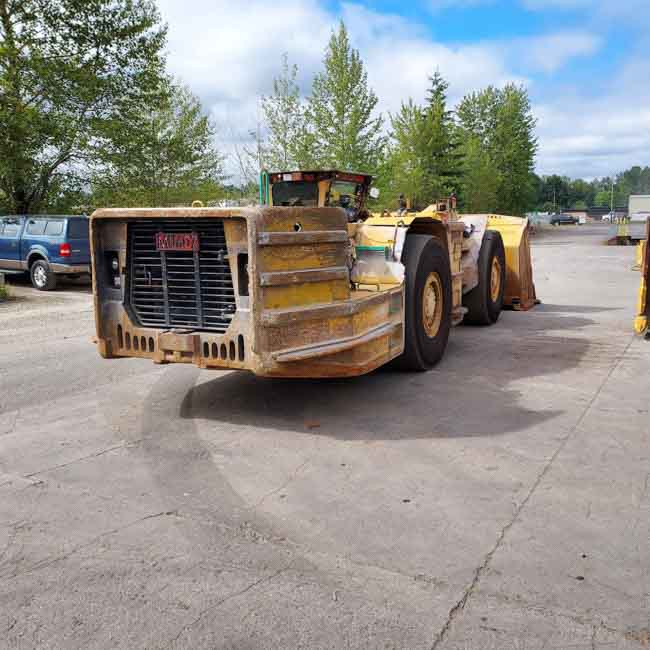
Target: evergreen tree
(342,129)
(425,153)
(442,147)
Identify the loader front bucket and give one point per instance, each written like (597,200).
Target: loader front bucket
(520,288)
(643,308)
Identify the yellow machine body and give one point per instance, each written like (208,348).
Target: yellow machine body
(520,288)
(271,288)
(643,305)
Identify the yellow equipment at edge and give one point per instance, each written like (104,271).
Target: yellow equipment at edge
(643,307)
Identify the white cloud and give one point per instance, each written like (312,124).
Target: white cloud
(228,53)
(550,52)
(400,57)
(587,136)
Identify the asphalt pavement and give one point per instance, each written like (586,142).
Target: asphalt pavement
(501,500)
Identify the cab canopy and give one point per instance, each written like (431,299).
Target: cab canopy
(319,188)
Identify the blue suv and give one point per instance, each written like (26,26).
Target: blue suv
(46,246)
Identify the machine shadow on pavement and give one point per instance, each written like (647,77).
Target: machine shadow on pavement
(392,405)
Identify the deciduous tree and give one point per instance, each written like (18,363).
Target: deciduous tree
(285,121)
(160,155)
(66,68)
(502,123)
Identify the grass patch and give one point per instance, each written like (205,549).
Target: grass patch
(4,292)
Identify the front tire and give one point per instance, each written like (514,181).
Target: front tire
(42,276)
(427,302)
(485,301)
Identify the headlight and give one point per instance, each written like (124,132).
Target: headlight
(112,269)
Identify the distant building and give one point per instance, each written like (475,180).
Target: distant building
(638,203)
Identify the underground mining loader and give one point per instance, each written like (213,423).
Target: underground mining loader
(308,283)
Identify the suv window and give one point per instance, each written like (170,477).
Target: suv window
(36,227)
(78,229)
(10,229)
(54,228)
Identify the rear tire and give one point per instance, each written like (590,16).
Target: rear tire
(42,276)
(427,306)
(485,301)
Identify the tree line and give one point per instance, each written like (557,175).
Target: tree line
(556,193)
(90,117)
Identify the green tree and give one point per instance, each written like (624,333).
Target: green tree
(581,194)
(501,121)
(603,199)
(555,193)
(342,129)
(164,155)
(479,182)
(515,147)
(406,172)
(635,180)
(441,143)
(284,119)
(65,68)
(424,153)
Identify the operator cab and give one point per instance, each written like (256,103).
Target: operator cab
(311,189)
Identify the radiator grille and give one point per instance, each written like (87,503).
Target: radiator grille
(184,289)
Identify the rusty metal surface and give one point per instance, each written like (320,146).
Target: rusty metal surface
(300,318)
(297,315)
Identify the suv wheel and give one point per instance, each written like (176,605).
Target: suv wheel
(42,276)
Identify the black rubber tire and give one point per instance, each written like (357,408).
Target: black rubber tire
(50,277)
(423,255)
(481,309)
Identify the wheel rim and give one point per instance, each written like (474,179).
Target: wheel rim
(495,279)
(432,305)
(40,277)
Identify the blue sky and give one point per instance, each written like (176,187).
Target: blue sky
(586,63)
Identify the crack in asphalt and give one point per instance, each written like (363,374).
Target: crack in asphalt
(291,477)
(83,458)
(480,570)
(221,601)
(43,564)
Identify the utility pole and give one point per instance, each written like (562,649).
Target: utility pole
(611,201)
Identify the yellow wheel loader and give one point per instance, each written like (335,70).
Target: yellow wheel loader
(307,284)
